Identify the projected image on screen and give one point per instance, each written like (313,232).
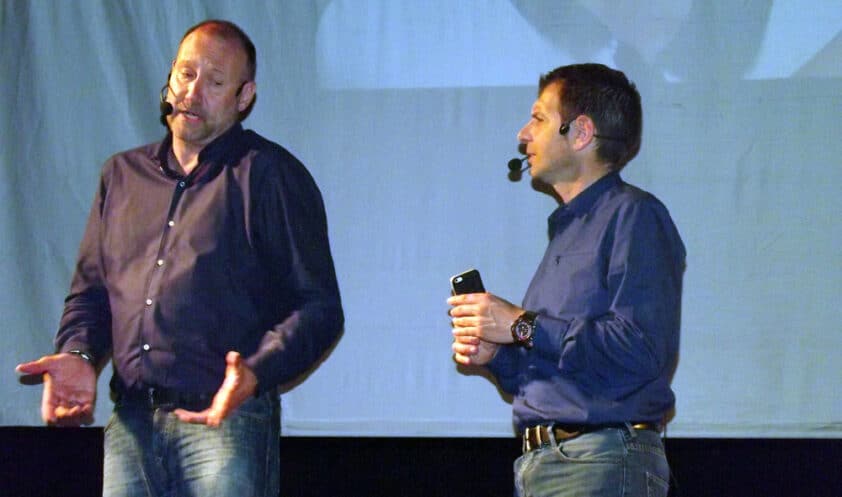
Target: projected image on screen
(380,44)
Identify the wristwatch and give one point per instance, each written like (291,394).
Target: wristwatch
(523,328)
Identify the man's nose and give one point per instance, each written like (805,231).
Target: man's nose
(195,88)
(523,135)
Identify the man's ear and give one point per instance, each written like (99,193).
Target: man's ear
(584,130)
(246,95)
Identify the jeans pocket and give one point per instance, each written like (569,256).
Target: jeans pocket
(656,486)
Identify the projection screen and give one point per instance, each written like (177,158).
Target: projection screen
(406,113)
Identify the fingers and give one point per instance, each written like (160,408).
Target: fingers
(468,304)
(48,401)
(215,418)
(464,349)
(477,331)
(73,416)
(462,359)
(467,339)
(235,389)
(69,389)
(233,359)
(212,416)
(221,405)
(197,418)
(57,410)
(466,325)
(468,298)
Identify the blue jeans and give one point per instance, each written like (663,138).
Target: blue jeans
(150,453)
(617,462)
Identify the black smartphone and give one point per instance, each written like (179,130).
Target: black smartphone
(467,282)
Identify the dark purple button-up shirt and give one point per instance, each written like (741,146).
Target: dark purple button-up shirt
(174,272)
(608,298)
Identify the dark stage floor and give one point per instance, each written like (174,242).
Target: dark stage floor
(67,462)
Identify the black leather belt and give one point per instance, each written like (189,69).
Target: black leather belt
(155,398)
(535,437)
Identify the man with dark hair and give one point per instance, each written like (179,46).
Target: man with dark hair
(205,274)
(590,355)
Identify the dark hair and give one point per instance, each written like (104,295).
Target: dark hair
(227,30)
(609,99)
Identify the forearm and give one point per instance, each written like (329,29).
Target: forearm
(296,344)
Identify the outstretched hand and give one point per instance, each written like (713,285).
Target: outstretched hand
(239,385)
(69,388)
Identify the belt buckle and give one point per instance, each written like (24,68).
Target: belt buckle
(535,437)
(526,445)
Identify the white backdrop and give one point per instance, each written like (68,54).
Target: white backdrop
(406,113)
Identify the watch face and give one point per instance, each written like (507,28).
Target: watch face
(523,331)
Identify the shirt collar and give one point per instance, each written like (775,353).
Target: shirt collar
(222,149)
(584,201)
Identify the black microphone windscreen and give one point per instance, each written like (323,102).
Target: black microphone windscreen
(166,108)
(514,164)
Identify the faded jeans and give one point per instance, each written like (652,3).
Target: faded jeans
(150,453)
(616,462)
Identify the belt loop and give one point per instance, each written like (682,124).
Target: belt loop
(631,430)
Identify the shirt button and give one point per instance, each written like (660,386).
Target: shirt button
(171,223)
(148,301)
(181,184)
(159,262)
(146,347)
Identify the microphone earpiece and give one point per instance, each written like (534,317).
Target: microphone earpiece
(565,127)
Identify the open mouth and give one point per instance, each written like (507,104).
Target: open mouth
(192,116)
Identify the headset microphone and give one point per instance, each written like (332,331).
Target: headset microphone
(515,171)
(514,164)
(165,107)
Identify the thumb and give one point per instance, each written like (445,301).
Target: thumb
(233,359)
(34,367)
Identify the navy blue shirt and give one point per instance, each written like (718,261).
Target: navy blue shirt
(174,272)
(608,298)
